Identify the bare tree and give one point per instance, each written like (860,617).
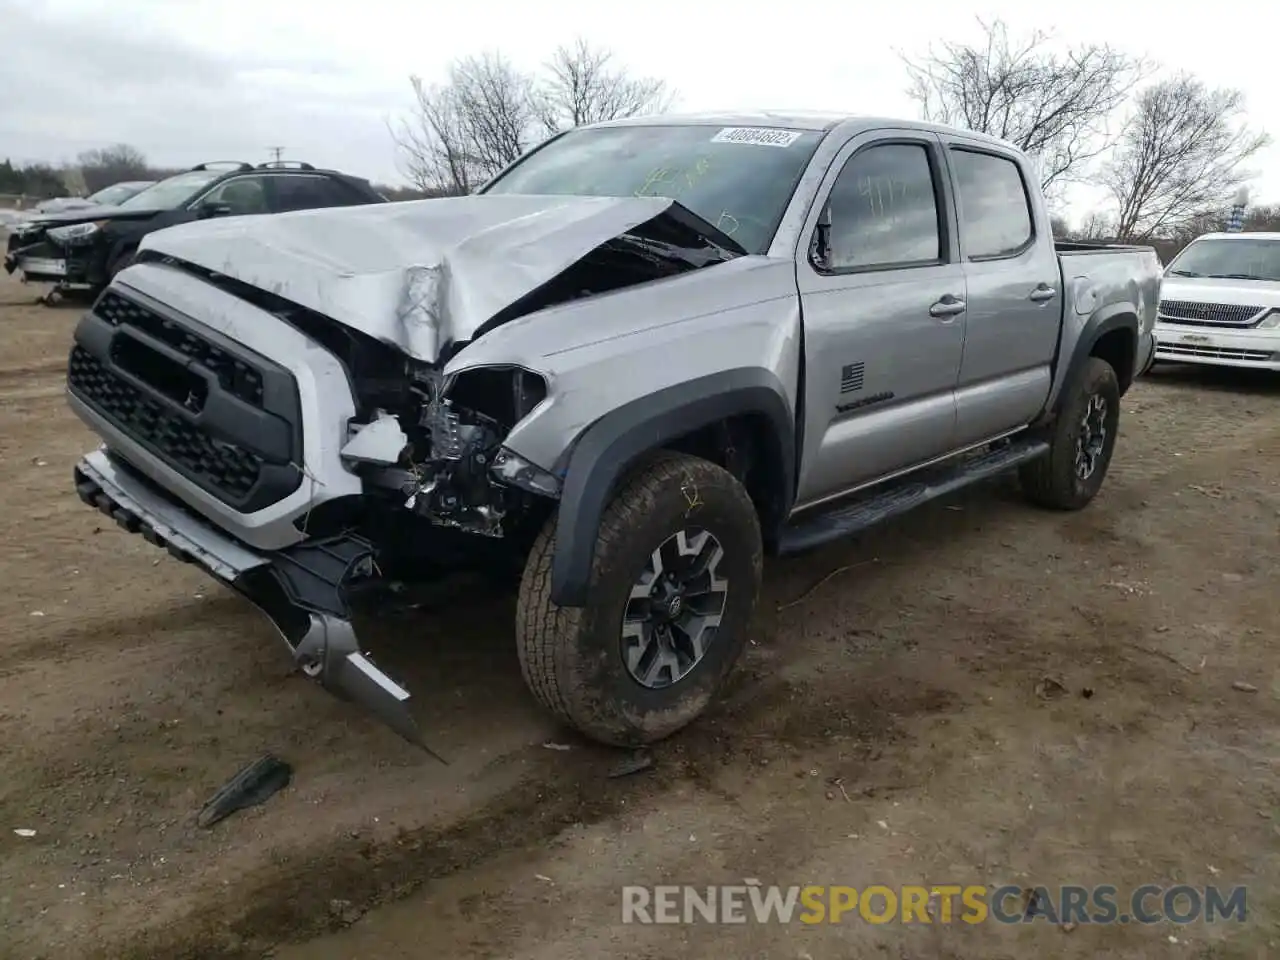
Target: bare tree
(464,131)
(1054,106)
(101,168)
(1096,226)
(488,113)
(583,88)
(1180,156)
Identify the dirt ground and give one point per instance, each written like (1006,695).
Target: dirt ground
(891,725)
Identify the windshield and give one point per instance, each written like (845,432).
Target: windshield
(1229,259)
(114,194)
(737,178)
(171,193)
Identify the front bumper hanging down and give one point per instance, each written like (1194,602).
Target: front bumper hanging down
(302,590)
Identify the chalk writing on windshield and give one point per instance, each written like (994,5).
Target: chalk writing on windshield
(727,223)
(672,182)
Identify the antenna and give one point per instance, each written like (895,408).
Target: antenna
(275,152)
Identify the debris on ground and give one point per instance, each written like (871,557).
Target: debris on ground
(637,762)
(1047,688)
(556,746)
(345,912)
(1167,656)
(834,573)
(1244,687)
(24,832)
(253,785)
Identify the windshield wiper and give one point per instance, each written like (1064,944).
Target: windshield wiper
(1235,276)
(1184,273)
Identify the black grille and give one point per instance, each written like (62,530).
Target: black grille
(235,376)
(223,468)
(1195,314)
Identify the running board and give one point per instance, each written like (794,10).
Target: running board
(846,518)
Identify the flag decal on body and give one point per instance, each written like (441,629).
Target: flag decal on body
(851,377)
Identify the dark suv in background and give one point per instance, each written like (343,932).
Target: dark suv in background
(90,245)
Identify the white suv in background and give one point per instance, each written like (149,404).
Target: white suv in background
(1220,302)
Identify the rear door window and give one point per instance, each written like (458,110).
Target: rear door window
(995,211)
(308,192)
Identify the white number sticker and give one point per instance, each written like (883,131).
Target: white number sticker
(759,136)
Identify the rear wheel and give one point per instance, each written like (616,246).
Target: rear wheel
(674,582)
(1082,441)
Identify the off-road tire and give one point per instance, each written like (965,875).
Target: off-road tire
(572,657)
(1051,481)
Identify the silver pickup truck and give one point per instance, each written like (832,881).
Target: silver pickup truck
(645,355)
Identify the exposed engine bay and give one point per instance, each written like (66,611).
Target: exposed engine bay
(445,458)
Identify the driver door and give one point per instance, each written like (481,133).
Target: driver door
(241,196)
(884,315)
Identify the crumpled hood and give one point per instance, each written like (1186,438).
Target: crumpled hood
(419,274)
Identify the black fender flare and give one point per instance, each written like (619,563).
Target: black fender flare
(1119,316)
(607,448)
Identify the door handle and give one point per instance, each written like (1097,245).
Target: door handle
(1042,293)
(948,306)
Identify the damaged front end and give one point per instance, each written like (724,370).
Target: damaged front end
(302,440)
(443,457)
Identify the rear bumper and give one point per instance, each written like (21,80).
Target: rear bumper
(1256,349)
(302,589)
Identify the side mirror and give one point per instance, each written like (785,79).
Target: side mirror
(207,210)
(820,249)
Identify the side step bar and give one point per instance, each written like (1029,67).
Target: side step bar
(847,518)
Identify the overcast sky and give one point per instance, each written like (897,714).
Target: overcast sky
(192,80)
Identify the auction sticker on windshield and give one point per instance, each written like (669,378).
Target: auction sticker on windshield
(760,136)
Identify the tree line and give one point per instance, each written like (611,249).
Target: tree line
(1169,155)
(94,169)
(91,171)
(1168,150)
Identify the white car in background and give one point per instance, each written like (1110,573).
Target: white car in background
(1220,302)
(111,196)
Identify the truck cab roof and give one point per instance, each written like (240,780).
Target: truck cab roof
(798,120)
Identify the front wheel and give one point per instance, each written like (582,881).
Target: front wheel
(1082,441)
(674,582)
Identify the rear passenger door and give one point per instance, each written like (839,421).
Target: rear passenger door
(1014,301)
(884,315)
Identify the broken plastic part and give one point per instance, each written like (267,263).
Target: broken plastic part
(253,785)
(381,442)
(511,468)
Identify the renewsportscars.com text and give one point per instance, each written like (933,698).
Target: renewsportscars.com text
(753,902)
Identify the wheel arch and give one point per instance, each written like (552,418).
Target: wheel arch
(1111,334)
(705,416)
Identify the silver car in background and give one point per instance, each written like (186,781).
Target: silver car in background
(1220,302)
(110,196)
